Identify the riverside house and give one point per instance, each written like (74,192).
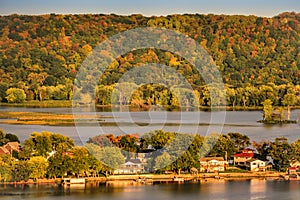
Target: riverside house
(240,159)
(132,166)
(213,164)
(256,165)
(10,147)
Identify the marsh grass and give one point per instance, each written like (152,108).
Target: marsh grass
(40,118)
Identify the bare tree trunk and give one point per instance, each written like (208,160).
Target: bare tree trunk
(289,113)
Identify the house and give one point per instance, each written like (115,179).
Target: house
(133,166)
(292,170)
(240,159)
(256,165)
(213,164)
(10,147)
(3,151)
(295,164)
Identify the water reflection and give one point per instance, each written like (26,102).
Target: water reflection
(242,189)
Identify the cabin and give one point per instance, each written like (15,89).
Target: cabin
(133,166)
(240,159)
(256,165)
(213,164)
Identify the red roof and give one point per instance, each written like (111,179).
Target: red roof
(292,168)
(244,155)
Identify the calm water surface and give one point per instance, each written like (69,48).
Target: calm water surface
(186,122)
(222,190)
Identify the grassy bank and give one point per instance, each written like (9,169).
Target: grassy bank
(40,118)
(41,104)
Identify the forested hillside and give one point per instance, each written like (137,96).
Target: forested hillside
(259,58)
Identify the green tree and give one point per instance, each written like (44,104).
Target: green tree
(157,139)
(38,166)
(61,143)
(59,165)
(21,171)
(296,148)
(79,160)
(282,153)
(42,144)
(3,139)
(15,95)
(12,137)
(223,147)
(240,141)
(268,110)
(111,157)
(163,162)
(7,163)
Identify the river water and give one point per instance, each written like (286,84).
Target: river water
(141,122)
(204,123)
(219,190)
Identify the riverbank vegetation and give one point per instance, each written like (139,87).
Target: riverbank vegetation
(50,155)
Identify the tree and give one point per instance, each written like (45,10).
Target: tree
(79,160)
(111,157)
(282,153)
(15,95)
(268,110)
(163,162)
(61,143)
(7,163)
(157,139)
(289,100)
(21,171)
(12,137)
(42,144)
(59,165)
(224,147)
(240,141)
(3,139)
(38,167)
(296,148)
(36,80)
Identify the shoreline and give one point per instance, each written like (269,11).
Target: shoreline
(68,104)
(164,178)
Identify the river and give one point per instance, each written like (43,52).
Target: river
(186,122)
(217,190)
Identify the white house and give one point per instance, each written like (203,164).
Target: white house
(213,164)
(133,166)
(256,165)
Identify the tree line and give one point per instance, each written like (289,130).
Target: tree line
(156,94)
(52,155)
(40,55)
